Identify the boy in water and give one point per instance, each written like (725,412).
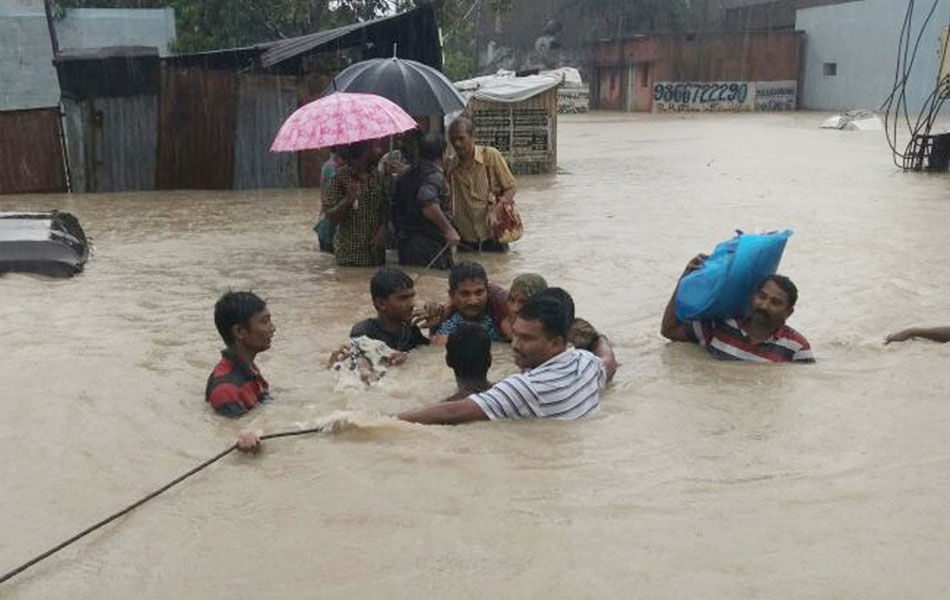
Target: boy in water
(393,296)
(236,386)
(469,298)
(468,353)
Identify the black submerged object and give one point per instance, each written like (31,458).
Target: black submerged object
(49,243)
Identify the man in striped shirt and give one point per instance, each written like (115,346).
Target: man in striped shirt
(558,381)
(763,336)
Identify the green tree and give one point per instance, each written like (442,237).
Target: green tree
(457,23)
(213,24)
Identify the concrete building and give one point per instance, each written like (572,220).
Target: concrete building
(696,72)
(757,15)
(26,54)
(851,50)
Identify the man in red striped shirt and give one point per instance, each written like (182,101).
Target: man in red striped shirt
(763,336)
(236,384)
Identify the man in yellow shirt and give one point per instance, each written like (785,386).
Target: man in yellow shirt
(479,179)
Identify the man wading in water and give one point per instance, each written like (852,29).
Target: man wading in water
(557,380)
(761,337)
(420,206)
(355,203)
(469,297)
(479,178)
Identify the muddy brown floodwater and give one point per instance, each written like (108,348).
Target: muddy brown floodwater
(696,479)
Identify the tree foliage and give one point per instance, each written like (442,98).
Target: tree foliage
(457,21)
(212,24)
(613,18)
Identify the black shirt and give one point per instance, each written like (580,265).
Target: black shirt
(421,186)
(410,336)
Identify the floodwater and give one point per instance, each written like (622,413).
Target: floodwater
(697,479)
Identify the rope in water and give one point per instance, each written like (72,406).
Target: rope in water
(432,262)
(157,492)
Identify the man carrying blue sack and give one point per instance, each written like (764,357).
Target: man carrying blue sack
(763,336)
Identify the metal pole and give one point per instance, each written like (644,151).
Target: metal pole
(48,5)
(54,44)
(478,19)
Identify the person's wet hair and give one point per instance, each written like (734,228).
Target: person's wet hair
(235,308)
(468,351)
(432,147)
(527,285)
(388,281)
(554,314)
(561,295)
(464,271)
(462,123)
(582,335)
(787,286)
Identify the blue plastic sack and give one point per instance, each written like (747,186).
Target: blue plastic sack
(724,285)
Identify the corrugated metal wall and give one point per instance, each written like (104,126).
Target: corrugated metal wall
(196,129)
(112,143)
(264,101)
(31,152)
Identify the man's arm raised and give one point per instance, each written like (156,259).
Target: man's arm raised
(671,328)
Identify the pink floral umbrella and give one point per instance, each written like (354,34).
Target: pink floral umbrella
(340,119)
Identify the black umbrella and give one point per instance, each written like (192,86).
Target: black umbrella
(417,88)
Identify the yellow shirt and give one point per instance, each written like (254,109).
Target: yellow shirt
(474,191)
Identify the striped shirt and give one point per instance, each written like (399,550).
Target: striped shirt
(726,340)
(235,386)
(565,387)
